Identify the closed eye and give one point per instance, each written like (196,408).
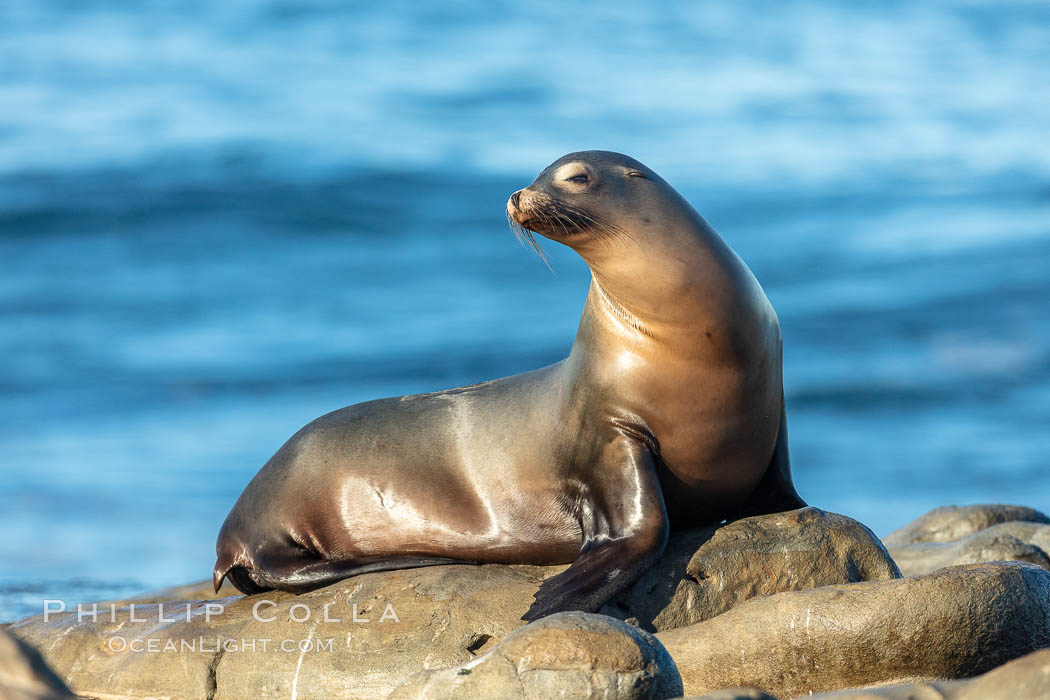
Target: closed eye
(581,178)
(635,173)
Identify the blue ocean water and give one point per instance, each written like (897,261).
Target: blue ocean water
(219,220)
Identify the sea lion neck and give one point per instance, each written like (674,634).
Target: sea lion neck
(667,275)
(612,307)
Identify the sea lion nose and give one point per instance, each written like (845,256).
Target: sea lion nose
(514,199)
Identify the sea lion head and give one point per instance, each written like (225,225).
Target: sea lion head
(590,200)
(643,241)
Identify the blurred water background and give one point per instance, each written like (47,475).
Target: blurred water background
(219,220)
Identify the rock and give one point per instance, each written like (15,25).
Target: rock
(735,694)
(250,647)
(447,615)
(707,571)
(24,675)
(570,654)
(950,523)
(953,623)
(1029,533)
(956,535)
(1010,541)
(1026,678)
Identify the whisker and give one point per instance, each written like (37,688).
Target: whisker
(600,227)
(527,239)
(568,219)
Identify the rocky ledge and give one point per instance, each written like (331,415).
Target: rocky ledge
(793,603)
(952,623)
(24,675)
(1027,678)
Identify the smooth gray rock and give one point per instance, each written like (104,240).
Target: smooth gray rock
(1010,541)
(1027,678)
(735,694)
(953,623)
(445,615)
(950,523)
(24,675)
(707,571)
(571,654)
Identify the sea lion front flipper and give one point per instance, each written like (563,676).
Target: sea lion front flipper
(624,532)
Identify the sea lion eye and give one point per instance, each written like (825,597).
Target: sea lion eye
(635,173)
(582,178)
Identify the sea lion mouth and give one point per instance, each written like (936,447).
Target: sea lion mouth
(526,222)
(543,214)
(558,227)
(540,213)
(530,211)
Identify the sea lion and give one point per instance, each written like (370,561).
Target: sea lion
(667,413)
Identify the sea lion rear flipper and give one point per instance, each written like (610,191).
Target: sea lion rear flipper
(299,575)
(619,543)
(776,492)
(230,564)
